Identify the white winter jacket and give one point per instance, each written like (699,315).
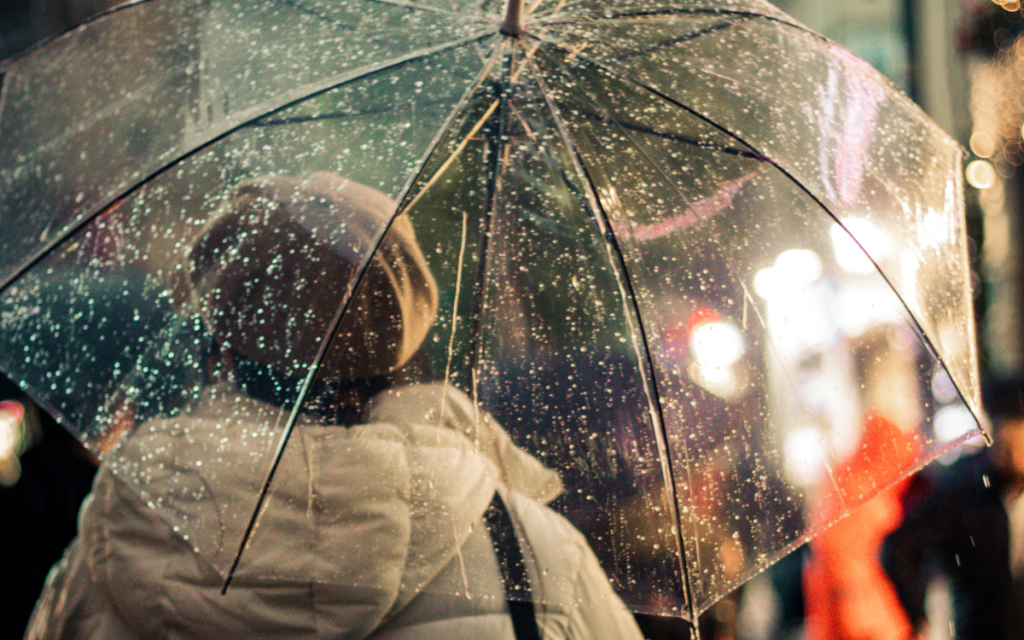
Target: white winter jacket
(373,531)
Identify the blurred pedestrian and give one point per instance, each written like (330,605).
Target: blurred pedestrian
(39,506)
(970,525)
(847,593)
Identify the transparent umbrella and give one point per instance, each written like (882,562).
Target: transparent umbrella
(681,253)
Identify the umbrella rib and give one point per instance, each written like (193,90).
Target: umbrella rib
(742,15)
(556,19)
(338,115)
(466,138)
(534,4)
(291,98)
(627,292)
(693,35)
(48,39)
(924,335)
(676,40)
(454,154)
(702,144)
(755,152)
(336,321)
(493,191)
(742,153)
(747,297)
(649,380)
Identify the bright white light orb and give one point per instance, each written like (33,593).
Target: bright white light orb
(852,252)
(11,415)
(793,270)
(953,422)
(981,174)
(802,451)
(798,266)
(716,345)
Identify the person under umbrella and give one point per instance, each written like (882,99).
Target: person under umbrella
(397,510)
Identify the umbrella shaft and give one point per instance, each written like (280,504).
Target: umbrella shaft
(513,24)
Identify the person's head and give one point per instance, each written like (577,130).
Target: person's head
(271,268)
(1004,403)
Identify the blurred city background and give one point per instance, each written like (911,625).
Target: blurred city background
(961,60)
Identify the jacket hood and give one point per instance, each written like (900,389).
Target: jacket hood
(359,519)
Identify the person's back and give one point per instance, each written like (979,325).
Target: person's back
(427,566)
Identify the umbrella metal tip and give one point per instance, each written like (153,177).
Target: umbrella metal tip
(513,24)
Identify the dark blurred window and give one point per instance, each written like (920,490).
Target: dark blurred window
(25,22)
(40,493)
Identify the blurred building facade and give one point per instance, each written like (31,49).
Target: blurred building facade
(962,62)
(996,102)
(913,42)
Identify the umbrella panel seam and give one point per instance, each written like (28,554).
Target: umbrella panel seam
(680,11)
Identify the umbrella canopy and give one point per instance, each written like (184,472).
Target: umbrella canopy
(682,252)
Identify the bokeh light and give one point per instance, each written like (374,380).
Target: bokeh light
(12,421)
(981,174)
(982,144)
